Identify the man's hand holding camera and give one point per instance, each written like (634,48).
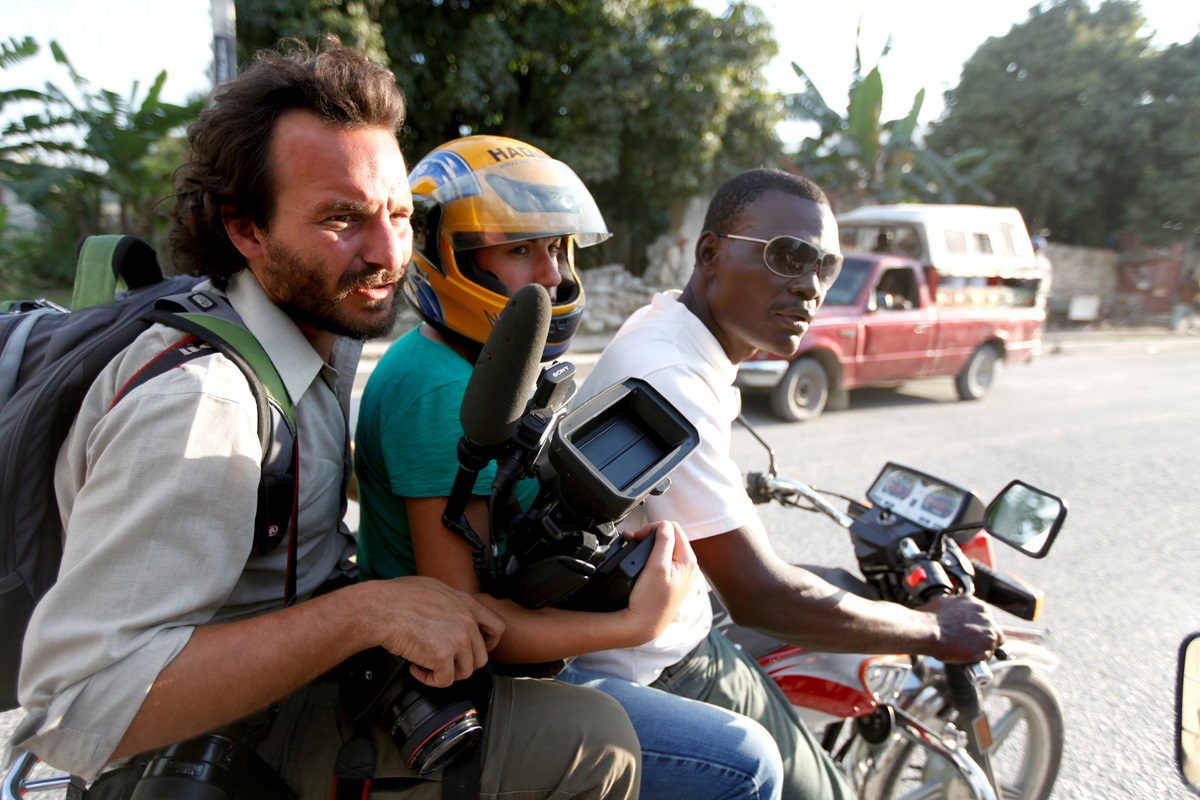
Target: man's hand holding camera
(663,583)
(445,633)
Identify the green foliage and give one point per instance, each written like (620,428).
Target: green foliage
(100,164)
(1078,124)
(861,158)
(261,24)
(1166,206)
(648,101)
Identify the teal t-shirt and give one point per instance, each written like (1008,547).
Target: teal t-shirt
(406,445)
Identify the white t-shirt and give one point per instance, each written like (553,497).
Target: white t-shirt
(671,349)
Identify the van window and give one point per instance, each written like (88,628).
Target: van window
(983,243)
(899,239)
(908,243)
(956,242)
(1006,231)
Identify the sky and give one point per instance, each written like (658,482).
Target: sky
(112,44)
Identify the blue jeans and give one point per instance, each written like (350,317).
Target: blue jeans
(692,749)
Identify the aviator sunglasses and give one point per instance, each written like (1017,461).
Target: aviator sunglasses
(793,257)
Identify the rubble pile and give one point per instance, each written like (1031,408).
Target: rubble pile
(613,293)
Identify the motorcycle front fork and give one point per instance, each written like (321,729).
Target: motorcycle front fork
(950,744)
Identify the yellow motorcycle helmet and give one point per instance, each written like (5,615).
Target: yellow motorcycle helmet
(479,191)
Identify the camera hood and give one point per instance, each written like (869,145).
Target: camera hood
(619,447)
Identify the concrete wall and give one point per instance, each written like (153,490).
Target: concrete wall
(669,260)
(1082,272)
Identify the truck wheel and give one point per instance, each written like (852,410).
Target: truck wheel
(802,393)
(979,373)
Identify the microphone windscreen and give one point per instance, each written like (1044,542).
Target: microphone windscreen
(507,368)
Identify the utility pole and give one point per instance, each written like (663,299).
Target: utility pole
(224,22)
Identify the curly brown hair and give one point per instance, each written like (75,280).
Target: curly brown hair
(227,170)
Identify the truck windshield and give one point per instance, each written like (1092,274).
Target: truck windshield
(848,286)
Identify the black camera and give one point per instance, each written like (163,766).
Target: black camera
(430,726)
(210,767)
(593,465)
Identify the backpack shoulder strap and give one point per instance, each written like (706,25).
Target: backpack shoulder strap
(14,350)
(240,340)
(217,327)
(101,260)
(212,319)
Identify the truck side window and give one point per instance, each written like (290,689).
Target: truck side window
(896,290)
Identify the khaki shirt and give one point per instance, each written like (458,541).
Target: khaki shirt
(158,497)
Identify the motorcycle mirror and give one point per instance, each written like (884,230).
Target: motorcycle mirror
(1187,713)
(745,423)
(1025,517)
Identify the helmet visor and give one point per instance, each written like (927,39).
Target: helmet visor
(518,200)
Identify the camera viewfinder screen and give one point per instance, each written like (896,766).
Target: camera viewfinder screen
(622,450)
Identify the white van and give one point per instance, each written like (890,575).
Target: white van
(959,241)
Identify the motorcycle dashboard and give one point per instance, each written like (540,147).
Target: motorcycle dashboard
(918,497)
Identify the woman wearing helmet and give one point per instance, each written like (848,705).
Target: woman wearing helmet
(492,215)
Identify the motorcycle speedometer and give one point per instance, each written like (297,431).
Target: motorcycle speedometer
(918,497)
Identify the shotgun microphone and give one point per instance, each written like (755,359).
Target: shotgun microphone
(504,376)
(496,397)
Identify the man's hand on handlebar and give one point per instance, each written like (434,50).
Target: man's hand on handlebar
(966,630)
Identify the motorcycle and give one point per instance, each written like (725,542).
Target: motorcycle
(906,725)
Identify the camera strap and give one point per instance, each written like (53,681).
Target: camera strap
(460,780)
(354,768)
(354,771)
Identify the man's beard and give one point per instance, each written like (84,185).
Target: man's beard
(298,286)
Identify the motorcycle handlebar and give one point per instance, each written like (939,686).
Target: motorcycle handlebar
(785,490)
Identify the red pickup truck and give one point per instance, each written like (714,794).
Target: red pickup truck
(880,325)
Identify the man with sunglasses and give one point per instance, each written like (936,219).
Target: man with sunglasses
(768,255)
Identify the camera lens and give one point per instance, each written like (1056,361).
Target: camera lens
(197,769)
(431,727)
(209,767)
